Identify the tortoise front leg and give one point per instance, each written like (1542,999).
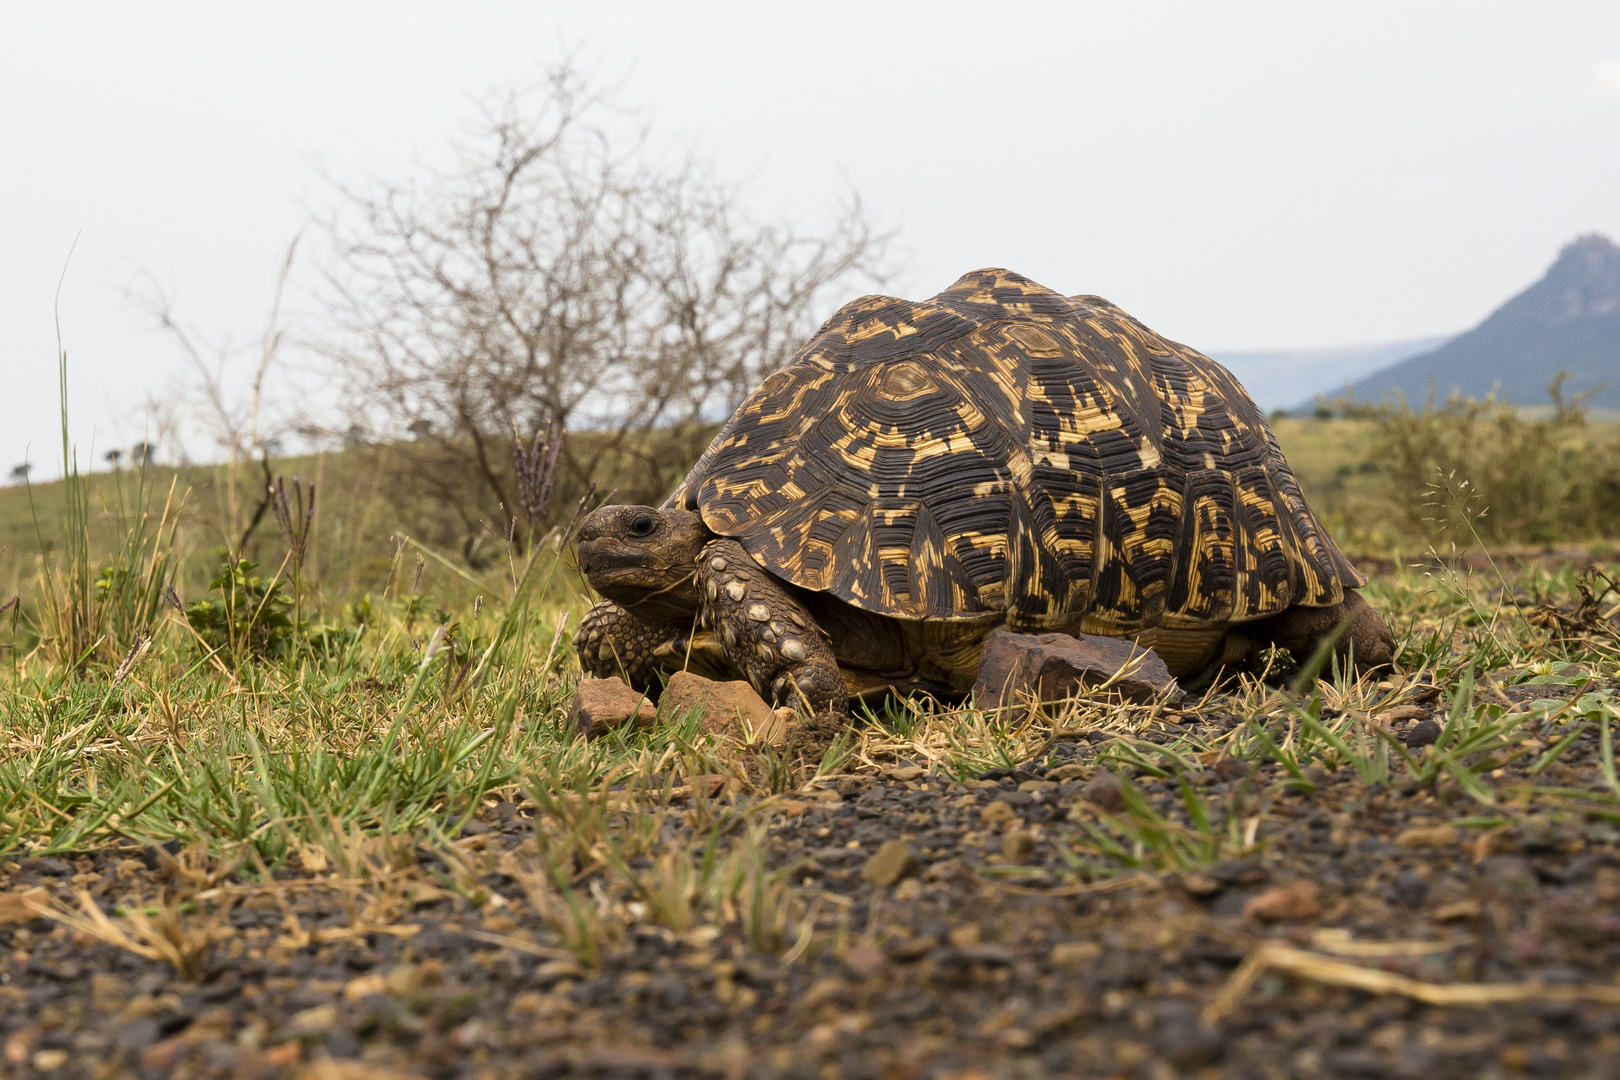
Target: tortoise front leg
(767,633)
(612,641)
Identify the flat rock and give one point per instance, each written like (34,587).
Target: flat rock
(1284,903)
(601,705)
(1015,668)
(893,862)
(733,708)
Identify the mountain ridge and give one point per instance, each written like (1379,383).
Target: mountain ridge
(1281,378)
(1568,320)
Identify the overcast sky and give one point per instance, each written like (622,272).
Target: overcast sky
(1236,175)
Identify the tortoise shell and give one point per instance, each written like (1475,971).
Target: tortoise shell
(1004,450)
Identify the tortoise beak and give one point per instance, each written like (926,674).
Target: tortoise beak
(608,553)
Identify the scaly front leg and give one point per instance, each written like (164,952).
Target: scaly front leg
(767,633)
(612,641)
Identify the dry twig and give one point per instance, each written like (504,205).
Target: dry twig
(1308,965)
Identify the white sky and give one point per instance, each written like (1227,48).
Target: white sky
(1237,175)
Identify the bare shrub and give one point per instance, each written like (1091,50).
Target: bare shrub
(563,278)
(249,424)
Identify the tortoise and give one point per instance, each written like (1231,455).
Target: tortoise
(920,474)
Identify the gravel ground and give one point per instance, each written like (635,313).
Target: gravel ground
(954,939)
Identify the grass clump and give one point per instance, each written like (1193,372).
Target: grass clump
(1454,468)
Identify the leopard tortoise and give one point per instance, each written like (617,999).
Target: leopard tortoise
(922,473)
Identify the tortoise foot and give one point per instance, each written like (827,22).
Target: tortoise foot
(1366,642)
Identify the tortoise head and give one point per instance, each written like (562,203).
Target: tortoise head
(644,559)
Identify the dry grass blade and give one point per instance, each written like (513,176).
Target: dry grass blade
(506,941)
(196,868)
(166,937)
(1339,942)
(1313,966)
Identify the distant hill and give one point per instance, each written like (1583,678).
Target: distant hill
(1567,321)
(1282,378)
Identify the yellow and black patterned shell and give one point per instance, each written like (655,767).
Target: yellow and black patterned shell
(1001,448)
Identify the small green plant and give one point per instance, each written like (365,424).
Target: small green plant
(1474,739)
(250,616)
(1141,836)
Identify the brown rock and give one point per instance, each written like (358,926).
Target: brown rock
(1200,885)
(312,1023)
(1014,668)
(1064,773)
(601,705)
(864,959)
(1424,733)
(892,862)
(1284,903)
(159,1056)
(997,813)
(732,709)
(1401,713)
(279,1057)
(1104,790)
(362,985)
(18,907)
(1017,845)
(1075,954)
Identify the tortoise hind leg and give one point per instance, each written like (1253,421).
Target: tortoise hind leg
(767,633)
(1301,629)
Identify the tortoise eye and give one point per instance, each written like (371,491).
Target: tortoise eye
(642,525)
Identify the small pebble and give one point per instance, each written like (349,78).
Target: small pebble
(893,861)
(1075,954)
(1422,734)
(864,960)
(1017,845)
(1200,885)
(1104,790)
(1284,903)
(997,813)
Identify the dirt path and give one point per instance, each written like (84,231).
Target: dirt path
(981,950)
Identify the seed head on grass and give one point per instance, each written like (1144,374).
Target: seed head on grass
(295,516)
(536,468)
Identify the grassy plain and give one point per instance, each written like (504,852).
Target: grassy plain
(374,842)
(359,528)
